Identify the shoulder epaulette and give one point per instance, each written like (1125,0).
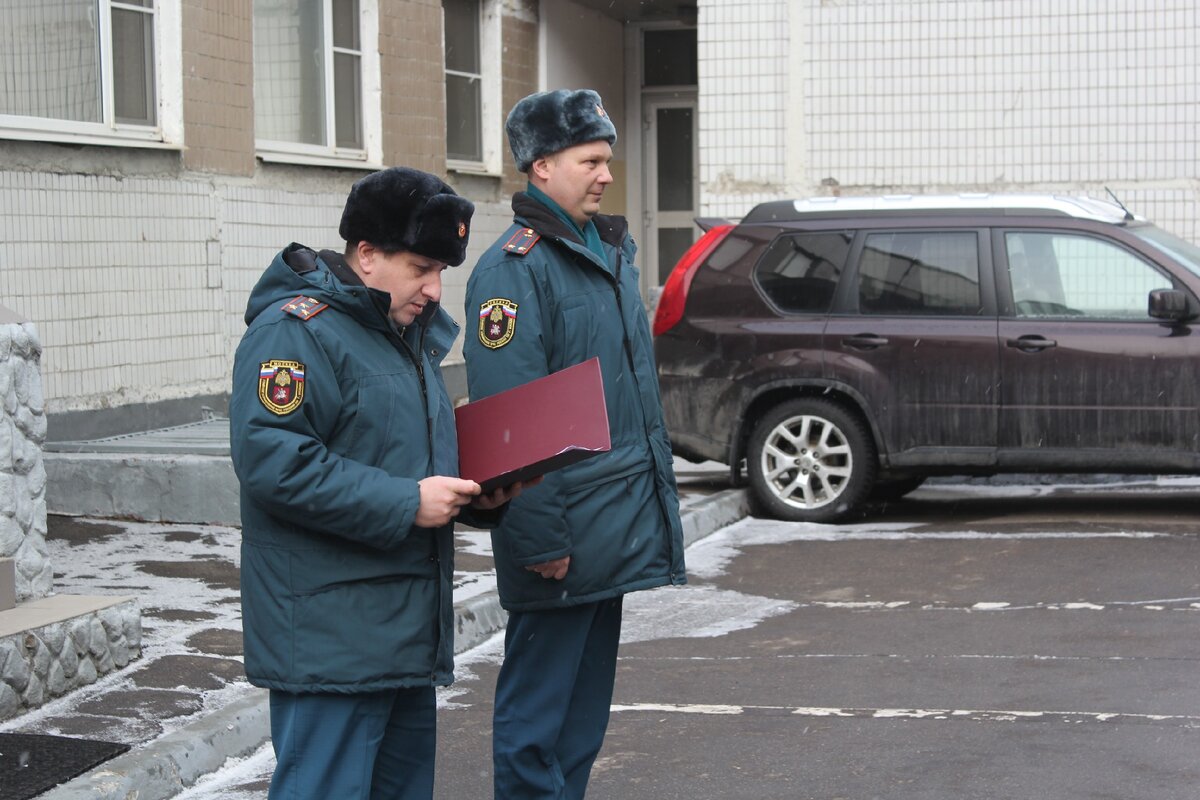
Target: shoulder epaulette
(304,307)
(522,241)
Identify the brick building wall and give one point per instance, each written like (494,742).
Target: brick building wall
(218,89)
(519,32)
(414,105)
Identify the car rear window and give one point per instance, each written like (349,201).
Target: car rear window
(799,272)
(923,272)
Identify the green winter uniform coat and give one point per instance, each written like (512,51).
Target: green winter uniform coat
(341,592)
(543,302)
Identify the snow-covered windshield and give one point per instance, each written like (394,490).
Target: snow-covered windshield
(1181,250)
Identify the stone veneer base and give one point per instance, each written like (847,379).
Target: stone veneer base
(54,644)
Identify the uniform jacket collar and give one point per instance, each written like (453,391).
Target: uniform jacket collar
(298,270)
(613,229)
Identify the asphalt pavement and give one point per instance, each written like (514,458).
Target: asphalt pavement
(970,643)
(974,642)
(185,706)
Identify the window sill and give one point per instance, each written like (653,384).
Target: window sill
(304,159)
(146,141)
(473,168)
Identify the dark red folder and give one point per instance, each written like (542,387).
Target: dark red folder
(534,428)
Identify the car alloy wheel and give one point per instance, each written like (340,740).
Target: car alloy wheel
(810,460)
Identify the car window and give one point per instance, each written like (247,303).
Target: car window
(800,272)
(923,272)
(1056,274)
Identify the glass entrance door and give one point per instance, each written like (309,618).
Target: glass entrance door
(672,191)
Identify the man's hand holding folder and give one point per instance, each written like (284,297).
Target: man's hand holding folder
(442,497)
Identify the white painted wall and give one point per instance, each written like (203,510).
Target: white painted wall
(583,49)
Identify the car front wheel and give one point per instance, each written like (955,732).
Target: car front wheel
(810,460)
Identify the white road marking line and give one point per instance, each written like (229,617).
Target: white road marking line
(1158,604)
(909,656)
(975,715)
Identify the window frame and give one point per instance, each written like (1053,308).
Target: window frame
(490,99)
(167,133)
(370,155)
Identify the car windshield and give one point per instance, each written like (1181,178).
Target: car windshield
(1181,250)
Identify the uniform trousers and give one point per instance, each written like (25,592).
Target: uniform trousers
(369,746)
(552,699)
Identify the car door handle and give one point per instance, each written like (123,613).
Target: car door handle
(864,341)
(1031,344)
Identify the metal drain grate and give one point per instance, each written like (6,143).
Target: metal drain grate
(210,438)
(30,764)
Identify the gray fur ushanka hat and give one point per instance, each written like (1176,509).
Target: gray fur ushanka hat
(406,209)
(546,122)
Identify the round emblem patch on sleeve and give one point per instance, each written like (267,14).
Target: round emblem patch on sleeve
(281,386)
(497,322)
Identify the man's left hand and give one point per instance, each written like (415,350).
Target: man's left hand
(554,570)
(486,502)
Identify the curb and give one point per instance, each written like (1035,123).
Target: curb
(166,766)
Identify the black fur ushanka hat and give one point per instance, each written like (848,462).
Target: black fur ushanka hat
(405,209)
(546,122)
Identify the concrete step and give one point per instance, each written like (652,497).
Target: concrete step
(177,474)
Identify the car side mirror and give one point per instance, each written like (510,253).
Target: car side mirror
(1171,304)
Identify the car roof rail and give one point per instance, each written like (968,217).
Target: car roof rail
(973,203)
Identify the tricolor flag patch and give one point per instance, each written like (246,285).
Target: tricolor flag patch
(497,322)
(281,386)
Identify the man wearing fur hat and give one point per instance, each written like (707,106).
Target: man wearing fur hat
(567,550)
(344,444)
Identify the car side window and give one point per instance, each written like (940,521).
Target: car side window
(920,272)
(800,272)
(1056,274)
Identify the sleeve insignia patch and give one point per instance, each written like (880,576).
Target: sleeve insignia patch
(281,386)
(497,322)
(304,307)
(522,241)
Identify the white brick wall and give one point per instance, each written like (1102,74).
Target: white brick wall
(138,286)
(929,95)
(743,70)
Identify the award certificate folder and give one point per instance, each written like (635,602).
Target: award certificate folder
(534,428)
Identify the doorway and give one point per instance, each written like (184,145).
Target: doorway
(671,186)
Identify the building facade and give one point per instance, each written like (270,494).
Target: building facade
(154,154)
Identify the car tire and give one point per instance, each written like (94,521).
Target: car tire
(830,474)
(891,490)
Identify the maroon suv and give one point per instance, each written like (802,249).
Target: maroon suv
(847,348)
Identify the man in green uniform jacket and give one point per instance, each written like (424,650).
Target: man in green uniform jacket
(557,288)
(344,443)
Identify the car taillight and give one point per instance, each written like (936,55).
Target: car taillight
(674,293)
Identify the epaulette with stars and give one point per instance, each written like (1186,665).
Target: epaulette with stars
(304,307)
(522,241)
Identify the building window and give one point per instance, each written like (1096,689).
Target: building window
(309,67)
(669,58)
(472,29)
(81,68)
